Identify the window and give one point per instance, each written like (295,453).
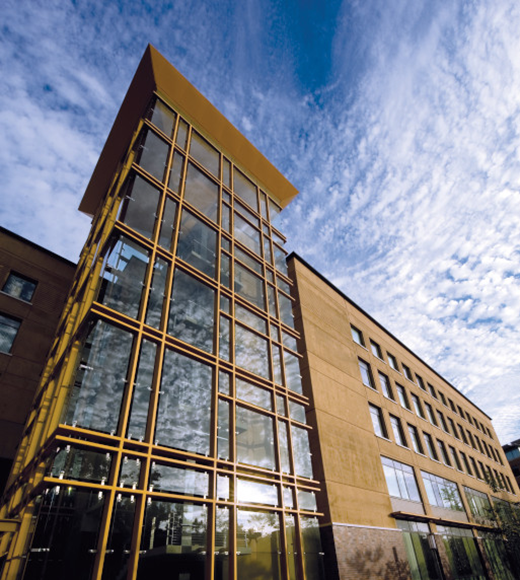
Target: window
(432,452)
(392,361)
(366,374)
(475,468)
(466,463)
(453,428)
(408,373)
(479,503)
(400,479)
(398,431)
(420,382)
(442,421)
(8,330)
(386,386)
(432,390)
(444,453)
(378,422)
(442,492)
(471,439)
(376,349)
(455,458)
(431,414)
(463,434)
(443,399)
(19,286)
(452,406)
(357,336)
(461,412)
(416,441)
(403,397)
(417,406)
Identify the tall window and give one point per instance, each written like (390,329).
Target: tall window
(466,463)
(403,398)
(8,330)
(417,406)
(366,374)
(400,479)
(479,503)
(444,453)
(378,422)
(416,441)
(442,421)
(455,458)
(408,373)
(357,335)
(386,386)
(392,361)
(431,414)
(19,286)
(432,452)
(398,430)
(376,349)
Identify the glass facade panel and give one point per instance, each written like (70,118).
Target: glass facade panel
(442,492)
(122,280)
(255,492)
(462,553)
(163,117)
(421,558)
(250,318)
(400,479)
(81,464)
(301,452)
(286,310)
(223,442)
(119,539)
(312,549)
(224,351)
(184,413)
(173,544)
(292,548)
(251,351)
(201,192)
(222,522)
(258,545)
(178,480)
(293,380)
(100,380)
(197,244)
(168,223)
(152,154)
(245,189)
(141,393)
(192,311)
(247,234)
(254,438)
(65,539)
(249,286)
(283,436)
(175,181)
(253,394)
(139,207)
(156,293)
(19,286)
(205,153)
(130,473)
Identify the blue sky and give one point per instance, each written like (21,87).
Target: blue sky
(398,122)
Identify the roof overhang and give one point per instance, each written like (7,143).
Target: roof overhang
(155,73)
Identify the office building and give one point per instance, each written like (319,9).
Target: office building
(34,284)
(207,413)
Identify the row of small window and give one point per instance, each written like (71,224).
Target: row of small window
(402,483)
(177,539)
(183,414)
(435,416)
(153,153)
(142,205)
(358,337)
(448,454)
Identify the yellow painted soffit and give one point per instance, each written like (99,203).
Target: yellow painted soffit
(155,73)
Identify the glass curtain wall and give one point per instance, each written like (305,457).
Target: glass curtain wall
(185,448)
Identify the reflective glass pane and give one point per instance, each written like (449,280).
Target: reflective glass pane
(205,153)
(248,260)
(251,351)
(312,549)
(153,154)
(201,192)
(223,430)
(268,255)
(250,318)
(286,310)
(139,207)
(175,181)
(119,539)
(184,414)
(224,334)
(65,540)
(224,383)
(173,544)
(263,205)
(130,473)
(301,451)
(156,293)
(225,264)
(141,394)
(179,480)
(271,293)
(307,500)
(223,487)
(226,173)
(292,548)
(226,218)
(100,380)
(258,545)
(163,117)
(288,499)
(277,364)
(81,464)
(283,436)
(254,438)
(197,244)
(192,311)
(292,372)
(279,259)
(168,223)
(255,492)
(297,411)
(280,406)
(124,269)
(245,189)
(247,234)
(249,286)
(222,518)
(253,394)
(182,134)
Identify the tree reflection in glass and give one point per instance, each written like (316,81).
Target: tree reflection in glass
(251,351)
(173,544)
(201,192)
(156,293)
(141,394)
(192,311)
(184,414)
(197,244)
(122,279)
(139,207)
(222,517)
(96,396)
(301,451)
(258,545)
